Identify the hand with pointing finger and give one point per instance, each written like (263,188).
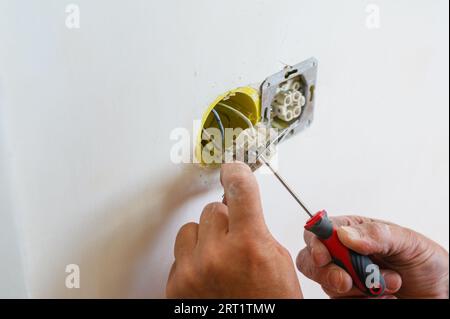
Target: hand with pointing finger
(413,266)
(230,253)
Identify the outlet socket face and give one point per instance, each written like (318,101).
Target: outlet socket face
(305,74)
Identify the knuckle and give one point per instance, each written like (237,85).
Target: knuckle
(207,213)
(239,167)
(247,241)
(214,207)
(184,229)
(306,236)
(212,211)
(302,263)
(345,220)
(408,241)
(256,258)
(300,258)
(250,247)
(240,180)
(209,208)
(187,227)
(315,243)
(376,230)
(261,254)
(284,252)
(349,220)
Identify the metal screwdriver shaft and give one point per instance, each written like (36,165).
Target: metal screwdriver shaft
(283,182)
(260,158)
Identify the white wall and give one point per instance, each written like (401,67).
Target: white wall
(87,115)
(12,281)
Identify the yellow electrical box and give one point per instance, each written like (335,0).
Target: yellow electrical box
(244,99)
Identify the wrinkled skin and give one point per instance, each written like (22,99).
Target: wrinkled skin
(230,253)
(413,265)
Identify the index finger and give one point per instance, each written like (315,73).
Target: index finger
(344,220)
(242,197)
(319,252)
(337,221)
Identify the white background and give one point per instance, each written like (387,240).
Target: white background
(86,114)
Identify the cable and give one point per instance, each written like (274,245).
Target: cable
(220,125)
(242,116)
(210,138)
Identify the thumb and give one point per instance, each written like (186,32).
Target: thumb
(375,238)
(242,197)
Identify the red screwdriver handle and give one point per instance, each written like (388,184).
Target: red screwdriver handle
(364,272)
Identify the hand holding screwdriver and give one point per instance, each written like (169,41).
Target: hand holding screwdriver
(230,253)
(363,271)
(337,257)
(412,265)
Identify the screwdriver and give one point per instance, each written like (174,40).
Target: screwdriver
(356,265)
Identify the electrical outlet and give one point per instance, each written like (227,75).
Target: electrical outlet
(283,102)
(298,80)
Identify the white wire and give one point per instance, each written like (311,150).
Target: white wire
(238,113)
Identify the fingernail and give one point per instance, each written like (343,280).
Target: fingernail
(335,280)
(392,282)
(352,233)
